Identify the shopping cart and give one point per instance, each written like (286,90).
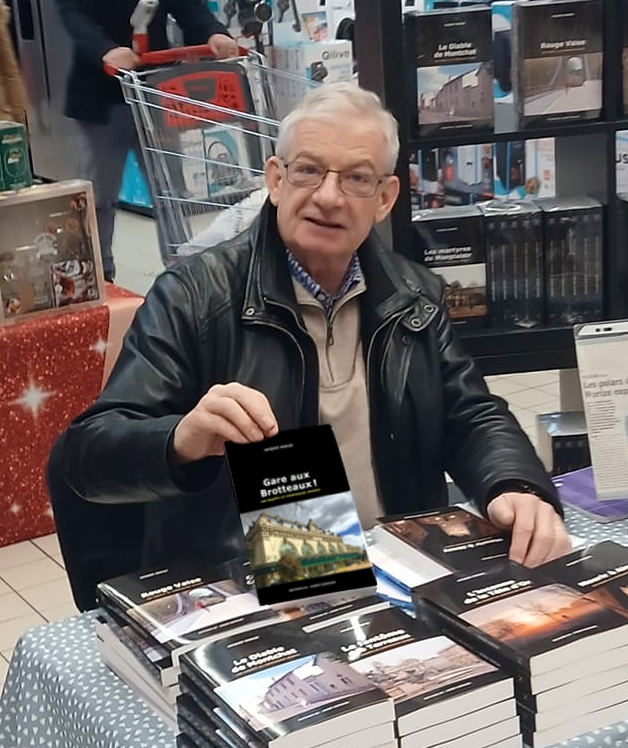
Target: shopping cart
(206,128)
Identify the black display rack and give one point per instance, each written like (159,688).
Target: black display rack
(585,164)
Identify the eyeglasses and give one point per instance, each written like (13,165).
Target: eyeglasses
(353,182)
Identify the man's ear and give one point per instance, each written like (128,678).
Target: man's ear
(387,197)
(273,175)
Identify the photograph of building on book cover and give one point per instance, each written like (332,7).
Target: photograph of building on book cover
(456,93)
(305,539)
(465,291)
(421,668)
(179,613)
(277,694)
(567,83)
(537,617)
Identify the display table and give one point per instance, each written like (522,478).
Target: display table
(51,369)
(58,693)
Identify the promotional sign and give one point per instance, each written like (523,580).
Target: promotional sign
(602,351)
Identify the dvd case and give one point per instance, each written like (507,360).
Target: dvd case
(573,235)
(514,263)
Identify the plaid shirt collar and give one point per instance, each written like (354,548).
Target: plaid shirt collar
(351,278)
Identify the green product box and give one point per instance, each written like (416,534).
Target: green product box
(15,172)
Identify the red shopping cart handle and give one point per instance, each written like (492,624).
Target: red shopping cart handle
(177,54)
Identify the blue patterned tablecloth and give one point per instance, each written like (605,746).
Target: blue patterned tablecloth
(58,694)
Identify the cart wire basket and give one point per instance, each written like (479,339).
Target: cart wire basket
(206,128)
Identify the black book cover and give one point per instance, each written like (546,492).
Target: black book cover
(407,660)
(519,617)
(558,49)
(456,538)
(299,517)
(451,242)
(278,680)
(184,603)
(451,66)
(599,571)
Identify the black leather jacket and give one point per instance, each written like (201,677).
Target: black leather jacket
(229,314)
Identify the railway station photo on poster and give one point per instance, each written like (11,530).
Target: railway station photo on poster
(305,539)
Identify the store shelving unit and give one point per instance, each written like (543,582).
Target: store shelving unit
(585,164)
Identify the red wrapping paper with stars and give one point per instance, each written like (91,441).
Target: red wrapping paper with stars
(51,369)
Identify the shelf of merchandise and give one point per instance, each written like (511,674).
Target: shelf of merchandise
(592,127)
(505,351)
(585,155)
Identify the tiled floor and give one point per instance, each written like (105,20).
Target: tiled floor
(33,585)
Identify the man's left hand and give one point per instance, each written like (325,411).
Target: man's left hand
(538,532)
(222,46)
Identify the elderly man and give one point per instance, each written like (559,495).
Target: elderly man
(306,318)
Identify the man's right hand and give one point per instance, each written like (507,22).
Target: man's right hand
(227,412)
(122,58)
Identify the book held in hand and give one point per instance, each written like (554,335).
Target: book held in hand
(299,518)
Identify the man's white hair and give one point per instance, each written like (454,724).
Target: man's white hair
(333,100)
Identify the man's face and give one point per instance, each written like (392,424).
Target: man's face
(325,222)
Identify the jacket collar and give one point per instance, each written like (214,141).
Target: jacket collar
(268,280)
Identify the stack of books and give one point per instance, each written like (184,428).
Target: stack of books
(278,687)
(416,548)
(444,695)
(149,619)
(561,630)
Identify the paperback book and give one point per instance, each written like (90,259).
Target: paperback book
(184,604)
(299,518)
(442,540)
(451,242)
(432,679)
(284,689)
(598,571)
(450,57)
(558,53)
(520,618)
(602,671)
